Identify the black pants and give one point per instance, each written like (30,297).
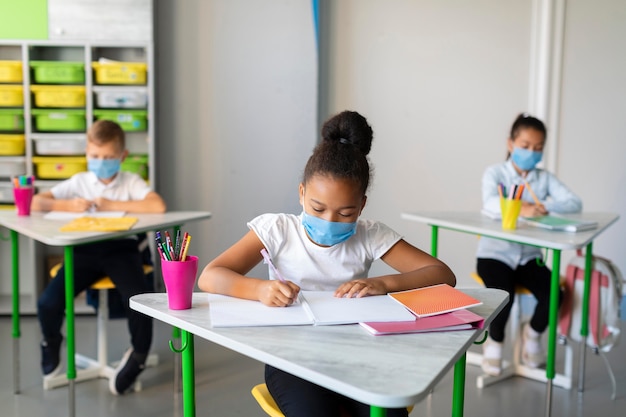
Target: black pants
(299,398)
(536,278)
(118,259)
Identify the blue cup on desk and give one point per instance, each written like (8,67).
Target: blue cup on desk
(179,278)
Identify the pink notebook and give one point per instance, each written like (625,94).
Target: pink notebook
(436,299)
(447,322)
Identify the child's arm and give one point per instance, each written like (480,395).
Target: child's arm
(416,269)
(46,202)
(152,203)
(226,275)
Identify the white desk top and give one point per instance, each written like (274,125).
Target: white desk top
(386,371)
(475,222)
(47,231)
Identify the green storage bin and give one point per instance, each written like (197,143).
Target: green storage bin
(58,72)
(12,120)
(129,120)
(59,120)
(137,164)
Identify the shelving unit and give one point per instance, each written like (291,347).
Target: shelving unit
(64,89)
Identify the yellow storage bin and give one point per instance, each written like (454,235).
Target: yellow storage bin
(58,167)
(12,145)
(120,72)
(59,96)
(11,95)
(10,71)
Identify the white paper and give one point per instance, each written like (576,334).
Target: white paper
(317,307)
(71,215)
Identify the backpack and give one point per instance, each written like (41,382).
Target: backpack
(605,297)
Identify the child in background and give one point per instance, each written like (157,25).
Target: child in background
(505,265)
(102,188)
(326,247)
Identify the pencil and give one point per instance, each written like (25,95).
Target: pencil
(532,193)
(183,258)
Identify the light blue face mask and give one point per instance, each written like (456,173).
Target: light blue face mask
(103,168)
(327,233)
(525,159)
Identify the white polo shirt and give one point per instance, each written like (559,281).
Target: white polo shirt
(126,186)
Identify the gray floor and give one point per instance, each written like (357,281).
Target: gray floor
(224,379)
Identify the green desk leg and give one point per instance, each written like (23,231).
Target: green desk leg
(189,384)
(377,411)
(16,310)
(458,389)
(584,321)
(552,324)
(69,325)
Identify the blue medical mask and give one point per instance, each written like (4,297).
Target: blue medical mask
(327,233)
(103,168)
(525,159)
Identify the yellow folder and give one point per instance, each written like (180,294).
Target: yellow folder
(99,224)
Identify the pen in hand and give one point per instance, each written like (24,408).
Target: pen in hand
(268,260)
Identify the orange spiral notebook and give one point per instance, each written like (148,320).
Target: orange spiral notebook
(436,299)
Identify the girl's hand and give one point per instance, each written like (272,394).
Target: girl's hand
(360,288)
(532,210)
(274,293)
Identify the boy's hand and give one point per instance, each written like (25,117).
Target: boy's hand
(78,204)
(103,204)
(278,294)
(532,210)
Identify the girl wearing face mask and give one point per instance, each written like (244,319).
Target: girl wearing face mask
(325,247)
(505,265)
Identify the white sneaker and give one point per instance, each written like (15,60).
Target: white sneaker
(492,357)
(533,354)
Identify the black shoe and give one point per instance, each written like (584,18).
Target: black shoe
(51,356)
(126,373)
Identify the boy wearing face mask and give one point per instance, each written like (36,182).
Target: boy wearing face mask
(505,265)
(102,188)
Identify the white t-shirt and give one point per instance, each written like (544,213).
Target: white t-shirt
(313,267)
(126,186)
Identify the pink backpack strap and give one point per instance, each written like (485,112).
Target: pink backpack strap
(594,306)
(568,300)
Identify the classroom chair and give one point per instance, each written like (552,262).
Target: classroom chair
(267,403)
(515,366)
(89,368)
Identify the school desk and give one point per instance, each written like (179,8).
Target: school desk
(384,371)
(47,232)
(479,224)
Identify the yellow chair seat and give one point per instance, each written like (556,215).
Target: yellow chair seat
(267,403)
(104,283)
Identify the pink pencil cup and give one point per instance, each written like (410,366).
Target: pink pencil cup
(179,278)
(23,196)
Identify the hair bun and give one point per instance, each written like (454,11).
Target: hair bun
(349,128)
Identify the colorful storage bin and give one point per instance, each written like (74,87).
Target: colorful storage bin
(12,120)
(120,72)
(11,95)
(10,71)
(59,96)
(12,145)
(59,120)
(58,72)
(137,164)
(129,120)
(61,146)
(49,167)
(10,168)
(121,97)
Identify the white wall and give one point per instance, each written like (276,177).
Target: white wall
(237,92)
(440,82)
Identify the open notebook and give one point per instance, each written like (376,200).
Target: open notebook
(315,308)
(99,224)
(558,223)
